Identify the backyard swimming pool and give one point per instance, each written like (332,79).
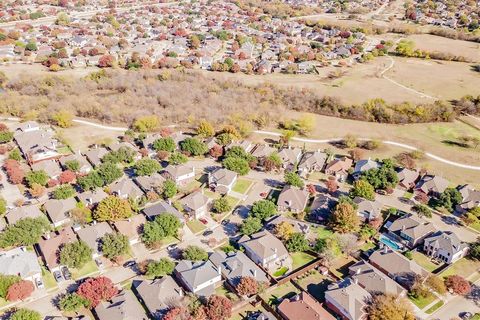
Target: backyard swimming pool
(392,244)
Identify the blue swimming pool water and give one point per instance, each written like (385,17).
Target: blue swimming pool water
(390,243)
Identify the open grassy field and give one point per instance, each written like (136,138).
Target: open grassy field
(467,49)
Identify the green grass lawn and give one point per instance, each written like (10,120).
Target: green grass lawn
(286,290)
(315,283)
(463,267)
(422,302)
(64,150)
(196,226)
(424,261)
(408,195)
(435,307)
(212,195)
(367,246)
(340,266)
(88,268)
(280,272)
(232,201)
(300,259)
(168,240)
(323,233)
(476,316)
(475,226)
(242,185)
(48,279)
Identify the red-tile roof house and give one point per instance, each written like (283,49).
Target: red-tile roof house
(305,305)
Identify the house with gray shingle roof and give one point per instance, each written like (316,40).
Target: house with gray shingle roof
(37,145)
(51,168)
(162,207)
(92,235)
(364,165)
(470,198)
(196,204)
(20,262)
(290,157)
(181,174)
(19,213)
(92,197)
(445,246)
(312,162)
(298,226)
(94,156)
(150,183)
(348,300)
(432,185)
(410,229)
(292,199)
(123,306)
(222,180)
(59,210)
(126,189)
(85,166)
(368,210)
(200,277)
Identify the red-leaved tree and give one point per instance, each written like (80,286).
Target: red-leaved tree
(218,308)
(20,290)
(247,286)
(176,313)
(67,177)
(458,285)
(97,289)
(216,151)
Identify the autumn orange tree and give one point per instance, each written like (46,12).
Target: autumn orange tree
(20,290)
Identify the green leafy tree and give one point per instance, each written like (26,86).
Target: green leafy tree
(264,209)
(25,232)
(239,152)
(237,165)
(297,243)
(422,210)
(383,177)
(3,207)
(164,144)
(75,254)
(115,245)
(109,172)
(449,199)
(250,226)
(344,218)
(37,177)
(112,209)
(363,189)
(25,314)
(64,191)
(221,205)
(147,167)
(91,181)
(475,250)
(124,154)
(160,268)
(194,147)
(169,189)
(6,136)
(164,225)
(194,253)
(15,155)
(72,302)
(72,165)
(177,158)
(293,179)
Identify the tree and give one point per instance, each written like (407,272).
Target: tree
(263,209)
(458,285)
(64,192)
(422,210)
(221,205)
(112,209)
(284,230)
(109,172)
(115,245)
(194,253)
(216,151)
(37,190)
(146,123)
(237,165)
(75,254)
(72,165)
(177,158)
(3,207)
(31,46)
(25,314)
(383,177)
(297,243)
(218,308)
(363,189)
(344,218)
(20,290)
(194,147)
(147,167)
(348,243)
(6,281)
(350,141)
(63,118)
(67,177)
(293,179)
(273,161)
(449,199)
(72,302)
(5,135)
(160,268)
(39,177)
(247,286)
(205,129)
(96,290)
(164,225)
(250,226)
(124,154)
(475,250)
(169,189)
(164,144)
(25,232)
(389,307)
(436,283)
(91,181)
(176,313)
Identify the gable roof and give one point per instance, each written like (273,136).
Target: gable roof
(58,210)
(222,176)
(411,225)
(394,263)
(178,170)
(407,177)
(92,197)
(351,297)
(195,200)
(264,244)
(158,294)
(339,165)
(365,165)
(95,155)
(19,262)
(431,183)
(293,198)
(290,155)
(162,207)
(303,304)
(371,209)
(447,241)
(93,233)
(149,183)
(51,167)
(236,265)
(126,187)
(311,159)
(16,214)
(131,227)
(196,273)
(51,244)
(123,306)
(373,280)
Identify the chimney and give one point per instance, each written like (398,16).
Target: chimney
(219,270)
(254,273)
(47,236)
(358,271)
(355,280)
(385,249)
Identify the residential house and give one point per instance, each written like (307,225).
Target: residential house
(178,138)
(59,210)
(292,199)
(84,166)
(235,266)
(91,198)
(50,244)
(432,185)
(348,300)
(321,207)
(148,143)
(470,198)
(364,165)
(397,266)
(261,152)
(19,213)
(181,174)
(51,168)
(124,144)
(196,204)
(37,145)
(266,250)
(200,278)
(160,208)
(410,230)
(94,156)
(244,144)
(373,280)
(339,168)
(131,227)
(92,236)
(158,295)
(290,157)
(312,162)
(151,183)
(305,305)
(407,178)
(222,180)
(368,210)
(445,246)
(20,262)
(126,189)
(123,306)
(298,226)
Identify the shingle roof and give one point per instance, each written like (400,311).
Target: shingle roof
(412,226)
(351,297)
(373,280)
(447,241)
(303,304)
(93,233)
(50,245)
(59,210)
(23,212)
(19,262)
(196,273)
(195,200)
(162,207)
(158,294)
(394,263)
(235,265)
(264,244)
(293,198)
(123,306)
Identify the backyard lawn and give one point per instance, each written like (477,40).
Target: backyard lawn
(340,266)
(285,290)
(315,283)
(245,311)
(422,302)
(280,272)
(463,267)
(323,233)
(300,259)
(196,226)
(242,186)
(88,268)
(424,261)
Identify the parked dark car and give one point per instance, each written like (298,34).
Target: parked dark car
(207,233)
(66,273)
(129,264)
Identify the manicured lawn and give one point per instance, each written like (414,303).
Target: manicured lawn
(48,279)
(167,241)
(242,186)
(286,290)
(424,261)
(212,195)
(323,233)
(64,150)
(476,316)
(300,259)
(196,226)
(4,303)
(435,307)
(280,272)
(408,195)
(88,268)
(367,246)
(315,283)
(475,226)
(463,267)
(422,302)
(232,201)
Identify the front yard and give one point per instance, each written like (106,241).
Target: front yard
(48,279)
(195,226)
(242,186)
(422,302)
(87,269)
(463,267)
(300,259)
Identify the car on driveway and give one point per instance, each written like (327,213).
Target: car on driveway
(225,222)
(203,220)
(39,283)
(172,247)
(207,233)
(58,276)
(99,263)
(129,264)
(66,273)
